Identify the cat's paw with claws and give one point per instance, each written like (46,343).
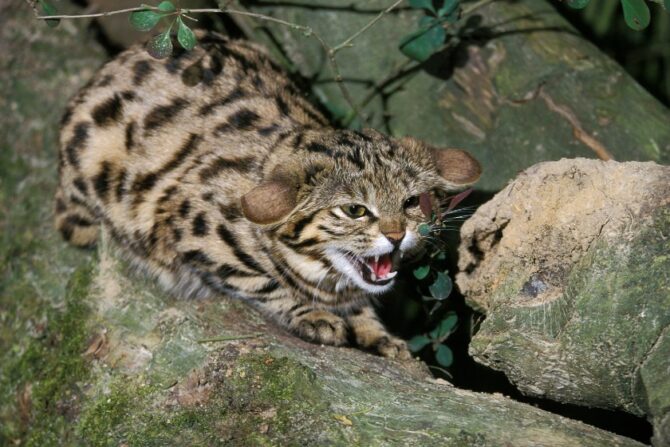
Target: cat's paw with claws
(321,327)
(392,347)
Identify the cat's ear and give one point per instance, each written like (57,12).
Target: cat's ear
(270,201)
(456,166)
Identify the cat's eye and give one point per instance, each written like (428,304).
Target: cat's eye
(411,202)
(355,211)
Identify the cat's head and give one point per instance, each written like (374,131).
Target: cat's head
(344,208)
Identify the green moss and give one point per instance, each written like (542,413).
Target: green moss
(263,400)
(52,368)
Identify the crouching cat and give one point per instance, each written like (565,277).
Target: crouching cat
(213,171)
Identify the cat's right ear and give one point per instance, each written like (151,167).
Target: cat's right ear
(270,201)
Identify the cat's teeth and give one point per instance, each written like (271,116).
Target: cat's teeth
(377,258)
(391,275)
(373,276)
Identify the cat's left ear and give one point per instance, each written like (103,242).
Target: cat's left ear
(270,201)
(456,166)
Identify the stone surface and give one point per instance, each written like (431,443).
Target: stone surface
(570,264)
(521,86)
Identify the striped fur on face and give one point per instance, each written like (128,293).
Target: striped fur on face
(216,176)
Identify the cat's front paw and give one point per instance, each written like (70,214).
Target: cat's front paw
(392,347)
(323,327)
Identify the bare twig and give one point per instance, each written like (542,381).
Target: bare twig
(308,31)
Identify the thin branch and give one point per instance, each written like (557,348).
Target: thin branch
(347,42)
(308,31)
(229,338)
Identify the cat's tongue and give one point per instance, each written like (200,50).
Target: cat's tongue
(381,267)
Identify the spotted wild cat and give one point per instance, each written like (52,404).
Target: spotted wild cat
(216,175)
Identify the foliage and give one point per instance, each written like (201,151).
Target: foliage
(160,46)
(636,12)
(433,283)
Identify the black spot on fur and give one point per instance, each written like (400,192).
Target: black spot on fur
(67,116)
(176,232)
(193,74)
(128,95)
(184,208)
(196,257)
(356,158)
(200,226)
(101,181)
(108,111)
(268,130)
(120,190)
(141,70)
(269,287)
(60,206)
(76,143)
(242,164)
(161,115)
(145,182)
(80,184)
(78,221)
(243,119)
(282,106)
(105,81)
(224,271)
(228,237)
(230,212)
(130,132)
(208,196)
(231,97)
(319,148)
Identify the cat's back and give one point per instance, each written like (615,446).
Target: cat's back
(143,130)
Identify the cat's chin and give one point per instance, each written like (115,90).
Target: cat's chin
(361,271)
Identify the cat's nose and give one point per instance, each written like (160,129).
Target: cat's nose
(395,237)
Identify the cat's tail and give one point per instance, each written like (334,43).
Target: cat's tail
(73,219)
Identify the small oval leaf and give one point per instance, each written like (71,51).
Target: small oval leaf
(49,10)
(166,6)
(185,36)
(421,44)
(421,272)
(160,46)
(441,288)
(418,343)
(636,13)
(448,7)
(424,229)
(144,20)
(666,5)
(422,4)
(444,356)
(446,327)
(578,4)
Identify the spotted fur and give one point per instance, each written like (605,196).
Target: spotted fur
(215,173)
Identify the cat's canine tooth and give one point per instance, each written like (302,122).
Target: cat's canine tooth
(373,276)
(376,258)
(391,275)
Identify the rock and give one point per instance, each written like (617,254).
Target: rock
(570,263)
(517,86)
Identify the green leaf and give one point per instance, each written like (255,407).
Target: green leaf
(444,356)
(422,4)
(445,328)
(578,4)
(421,272)
(418,343)
(185,36)
(160,46)
(166,6)
(144,20)
(421,44)
(666,5)
(424,229)
(636,14)
(49,10)
(441,288)
(448,7)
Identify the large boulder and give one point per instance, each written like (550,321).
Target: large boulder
(570,263)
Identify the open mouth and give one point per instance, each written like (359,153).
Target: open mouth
(378,270)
